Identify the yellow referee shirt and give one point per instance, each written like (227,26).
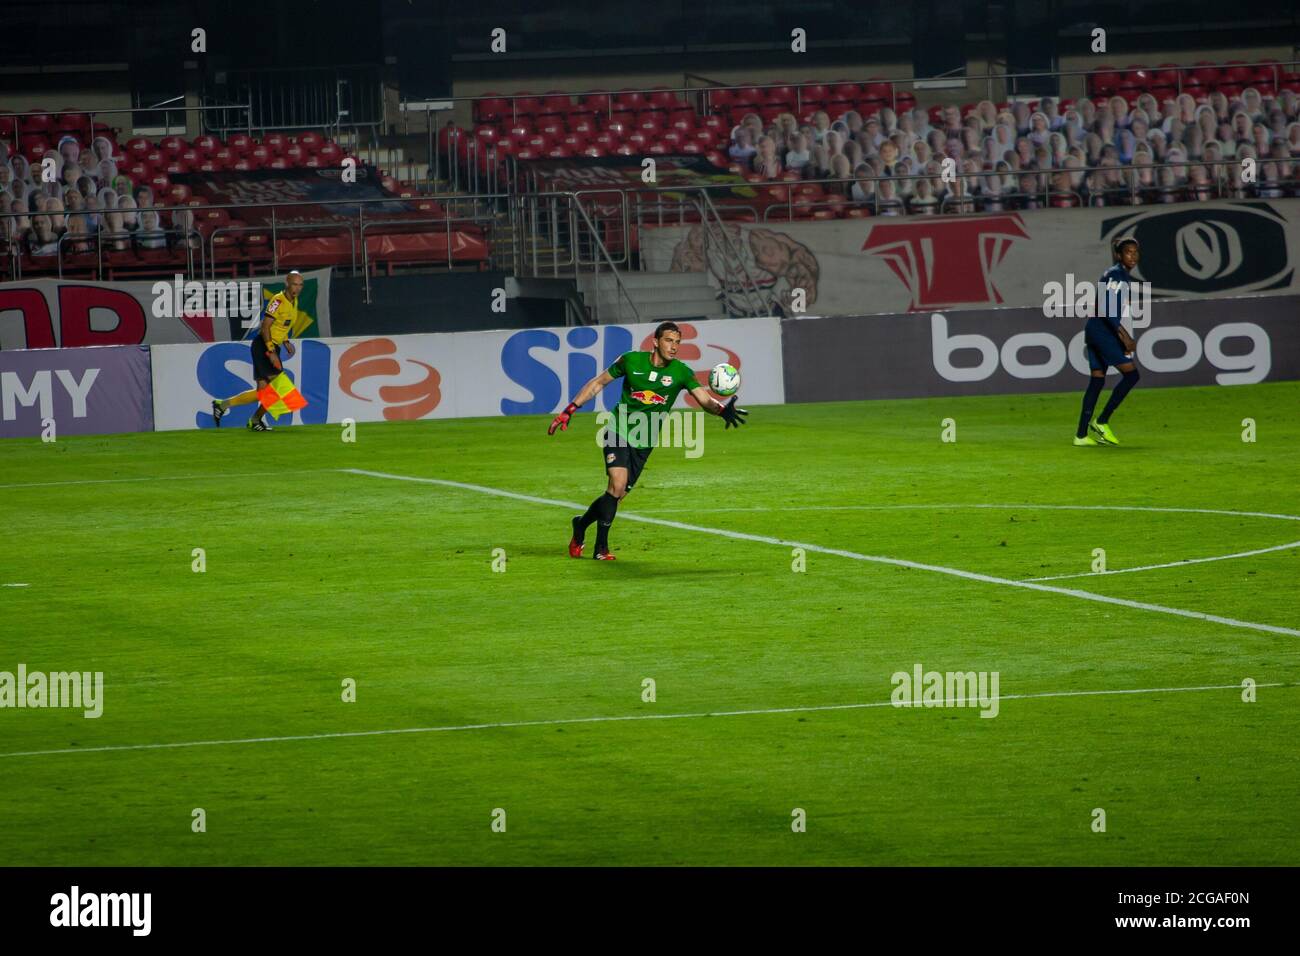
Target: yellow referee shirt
(283,315)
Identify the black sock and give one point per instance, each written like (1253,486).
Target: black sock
(1123,388)
(608,508)
(1095,385)
(591,514)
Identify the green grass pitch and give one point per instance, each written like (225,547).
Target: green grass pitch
(315,575)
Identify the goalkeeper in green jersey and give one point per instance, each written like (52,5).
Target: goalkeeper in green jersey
(651,383)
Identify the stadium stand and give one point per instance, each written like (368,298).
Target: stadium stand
(1144,135)
(810,150)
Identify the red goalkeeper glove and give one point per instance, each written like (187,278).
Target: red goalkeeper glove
(562,420)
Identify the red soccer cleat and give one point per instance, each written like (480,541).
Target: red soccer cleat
(604,556)
(575,546)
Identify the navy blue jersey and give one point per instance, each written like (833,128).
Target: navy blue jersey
(1113,295)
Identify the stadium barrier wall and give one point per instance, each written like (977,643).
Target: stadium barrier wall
(85,391)
(896,264)
(454,375)
(435,302)
(1010,351)
(72,313)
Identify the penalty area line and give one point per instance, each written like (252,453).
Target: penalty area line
(509,724)
(853,555)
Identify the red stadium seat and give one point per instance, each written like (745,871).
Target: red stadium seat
(241,143)
(552,126)
(1105,81)
(525,104)
(138,172)
(627,99)
(1206,74)
(260,154)
(205,144)
(878,89)
(814,94)
(275,143)
(33,146)
(36,123)
(555,102)
(295,154)
(597,101)
(191,156)
(72,121)
(331,154)
(223,156)
(650,123)
(311,141)
(159,182)
(1237,72)
(171,145)
(664,99)
(491,107)
(594,150)
(583,124)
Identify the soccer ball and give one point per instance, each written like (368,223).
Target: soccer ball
(724,379)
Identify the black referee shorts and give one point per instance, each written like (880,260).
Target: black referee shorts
(262,366)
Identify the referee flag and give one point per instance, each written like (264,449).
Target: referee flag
(280,397)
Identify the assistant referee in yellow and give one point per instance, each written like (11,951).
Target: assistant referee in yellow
(277,322)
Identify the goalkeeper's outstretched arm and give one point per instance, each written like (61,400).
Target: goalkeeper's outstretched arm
(586,394)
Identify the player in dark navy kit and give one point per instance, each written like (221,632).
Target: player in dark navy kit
(1108,343)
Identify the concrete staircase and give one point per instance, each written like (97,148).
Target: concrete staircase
(656,295)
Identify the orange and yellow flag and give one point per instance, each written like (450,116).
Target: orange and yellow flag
(280,397)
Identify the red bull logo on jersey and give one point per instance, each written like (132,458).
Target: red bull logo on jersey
(647,397)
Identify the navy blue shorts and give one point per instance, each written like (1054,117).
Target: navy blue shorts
(1102,346)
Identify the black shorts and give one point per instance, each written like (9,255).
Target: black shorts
(625,456)
(263,369)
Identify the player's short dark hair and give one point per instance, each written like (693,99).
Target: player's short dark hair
(666,327)
(1117,247)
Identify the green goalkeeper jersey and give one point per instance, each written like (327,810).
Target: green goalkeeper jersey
(648,390)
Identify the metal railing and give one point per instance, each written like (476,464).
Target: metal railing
(297,98)
(275,227)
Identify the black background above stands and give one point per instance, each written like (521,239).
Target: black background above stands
(432,42)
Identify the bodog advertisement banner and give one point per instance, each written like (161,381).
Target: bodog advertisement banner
(454,375)
(982,261)
(1006,351)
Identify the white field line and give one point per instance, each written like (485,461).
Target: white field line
(877,559)
(1011,507)
(212,476)
(1171,564)
(507,724)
